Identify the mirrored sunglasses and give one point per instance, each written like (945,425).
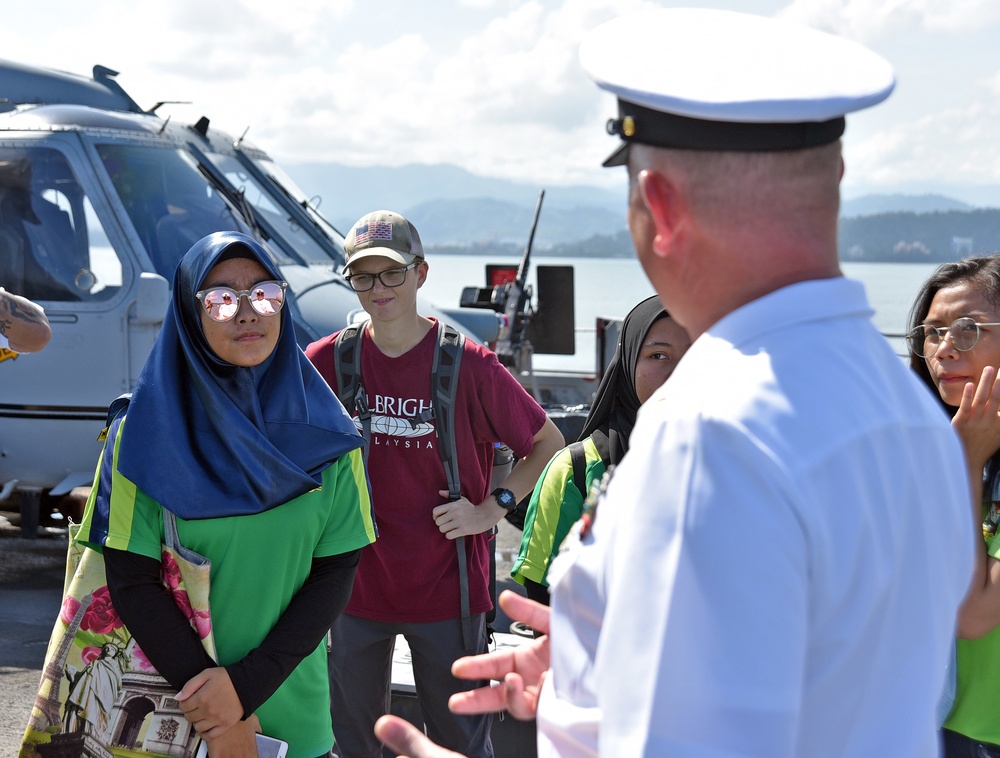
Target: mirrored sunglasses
(222,303)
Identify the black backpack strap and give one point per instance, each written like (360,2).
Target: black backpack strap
(578,454)
(444,389)
(347,369)
(444,380)
(346,357)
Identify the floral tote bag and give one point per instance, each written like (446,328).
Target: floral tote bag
(99,695)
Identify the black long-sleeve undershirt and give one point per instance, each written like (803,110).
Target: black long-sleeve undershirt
(173,647)
(536,591)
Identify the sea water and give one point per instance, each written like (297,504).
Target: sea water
(609,287)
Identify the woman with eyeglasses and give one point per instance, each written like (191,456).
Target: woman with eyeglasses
(232,429)
(954,346)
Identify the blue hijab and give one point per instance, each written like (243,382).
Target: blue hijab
(205,438)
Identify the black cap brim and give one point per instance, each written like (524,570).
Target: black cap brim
(618,158)
(647,126)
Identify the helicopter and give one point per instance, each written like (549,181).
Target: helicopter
(99,200)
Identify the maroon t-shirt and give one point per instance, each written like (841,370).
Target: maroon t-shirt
(410,573)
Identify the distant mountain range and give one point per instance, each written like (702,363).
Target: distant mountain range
(457,211)
(871,205)
(450,206)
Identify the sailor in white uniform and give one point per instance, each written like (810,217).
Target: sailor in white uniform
(263,305)
(776,565)
(772,571)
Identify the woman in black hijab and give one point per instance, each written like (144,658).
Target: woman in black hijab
(232,430)
(649,347)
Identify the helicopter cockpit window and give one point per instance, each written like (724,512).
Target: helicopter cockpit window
(170,203)
(310,204)
(265,205)
(52,245)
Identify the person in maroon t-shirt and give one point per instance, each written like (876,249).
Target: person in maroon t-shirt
(407,581)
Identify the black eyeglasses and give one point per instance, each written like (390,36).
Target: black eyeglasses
(924,340)
(222,303)
(392,277)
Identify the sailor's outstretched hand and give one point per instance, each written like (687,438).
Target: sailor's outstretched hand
(519,672)
(402,737)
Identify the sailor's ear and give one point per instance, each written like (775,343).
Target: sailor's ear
(666,204)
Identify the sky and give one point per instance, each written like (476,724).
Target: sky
(495,86)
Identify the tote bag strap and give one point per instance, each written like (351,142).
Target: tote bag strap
(170,537)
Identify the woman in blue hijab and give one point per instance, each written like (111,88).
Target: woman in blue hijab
(232,430)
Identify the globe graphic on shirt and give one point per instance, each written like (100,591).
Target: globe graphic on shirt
(396,427)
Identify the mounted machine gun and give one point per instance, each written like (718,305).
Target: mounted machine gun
(547,328)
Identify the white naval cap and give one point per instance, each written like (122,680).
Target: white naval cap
(702,79)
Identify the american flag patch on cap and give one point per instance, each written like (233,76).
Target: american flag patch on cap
(378,230)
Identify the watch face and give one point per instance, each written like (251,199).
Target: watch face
(504,497)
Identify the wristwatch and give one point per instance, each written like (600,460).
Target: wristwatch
(506,498)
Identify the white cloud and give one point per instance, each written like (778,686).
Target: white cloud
(936,129)
(494,85)
(869,19)
(508,100)
(487,4)
(944,147)
(247,38)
